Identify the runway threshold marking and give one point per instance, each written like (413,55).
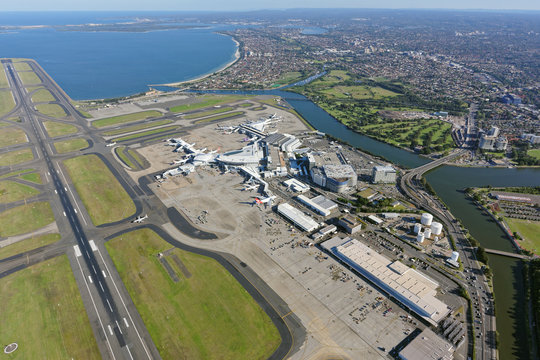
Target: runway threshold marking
(93,245)
(77,251)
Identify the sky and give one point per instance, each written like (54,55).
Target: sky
(233,5)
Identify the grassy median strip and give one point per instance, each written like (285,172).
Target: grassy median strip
(12,136)
(25,218)
(65,146)
(104,198)
(42,95)
(208,113)
(15,173)
(52,110)
(22,66)
(208,101)
(28,244)
(3,79)
(33,177)
(146,133)
(55,128)
(16,157)
(6,102)
(11,191)
(42,311)
(121,153)
(206,316)
(219,117)
(128,129)
(121,119)
(29,78)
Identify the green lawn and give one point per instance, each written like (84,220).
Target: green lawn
(12,136)
(25,218)
(22,66)
(33,177)
(128,129)
(15,173)
(288,78)
(146,133)
(219,117)
(534,153)
(16,157)
(42,311)
(529,231)
(104,198)
(359,92)
(208,101)
(3,78)
(125,118)
(55,128)
(29,78)
(70,145)
(42,95)
(28,244)
(52,110)
(205,316)
(332,78)
(208,113)
(121,153)
(11,191)
(6,102)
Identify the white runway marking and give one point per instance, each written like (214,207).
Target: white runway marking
(104,275)
(110,329)
(101,286)
(90,278)
(77,251)
(126,322)
(110,307)
(93,245)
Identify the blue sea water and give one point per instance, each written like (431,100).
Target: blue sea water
(92,65)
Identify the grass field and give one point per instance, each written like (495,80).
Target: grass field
(332,78)
(128,129)
(288,78)
(121,153)
(32,177)
(52,110)
(42,95)
(3,78)
(42,311)
(55,128)
(219,117)
(22,66)
(205,316)
(15,173)
(6,102)
(358,92)
(534,153)
(146,133)
(11,191)
(12,136)
(529,231)
(104,198)
(208,113)
(122,119)
(25,218)
(208,101)
(65,146)
(28,244)
(29,78)
(16,157)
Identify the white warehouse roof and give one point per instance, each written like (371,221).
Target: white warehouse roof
(427,346)
(320,204)
(297,217)
(296,185)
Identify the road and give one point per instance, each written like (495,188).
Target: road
(477,285)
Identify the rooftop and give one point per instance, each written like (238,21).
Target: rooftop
(338,171)
(428,346)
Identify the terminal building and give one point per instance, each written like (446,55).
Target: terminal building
(297,217)
(405,284)
(427,346)
(336,178)
(296,185)
(383,175)
(319,204)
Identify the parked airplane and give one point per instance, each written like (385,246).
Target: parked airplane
(266,201)
(111,144)
(250,187)
(140,219)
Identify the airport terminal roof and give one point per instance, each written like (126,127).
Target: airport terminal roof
(406,284)
(427,346)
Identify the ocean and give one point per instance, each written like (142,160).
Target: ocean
(94,65)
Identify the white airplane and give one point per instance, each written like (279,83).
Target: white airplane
(111,144)
(266,201)
(140,219)
(250,187)
(180,161)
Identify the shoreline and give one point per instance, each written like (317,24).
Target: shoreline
(237,56)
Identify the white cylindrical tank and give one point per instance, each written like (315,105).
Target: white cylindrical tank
(420,238)
(427,233)
(455,256)
(417,228)
(436,228)
(426,219)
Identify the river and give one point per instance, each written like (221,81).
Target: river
(449,182)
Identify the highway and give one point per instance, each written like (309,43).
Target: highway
(483,321)
(117,326)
